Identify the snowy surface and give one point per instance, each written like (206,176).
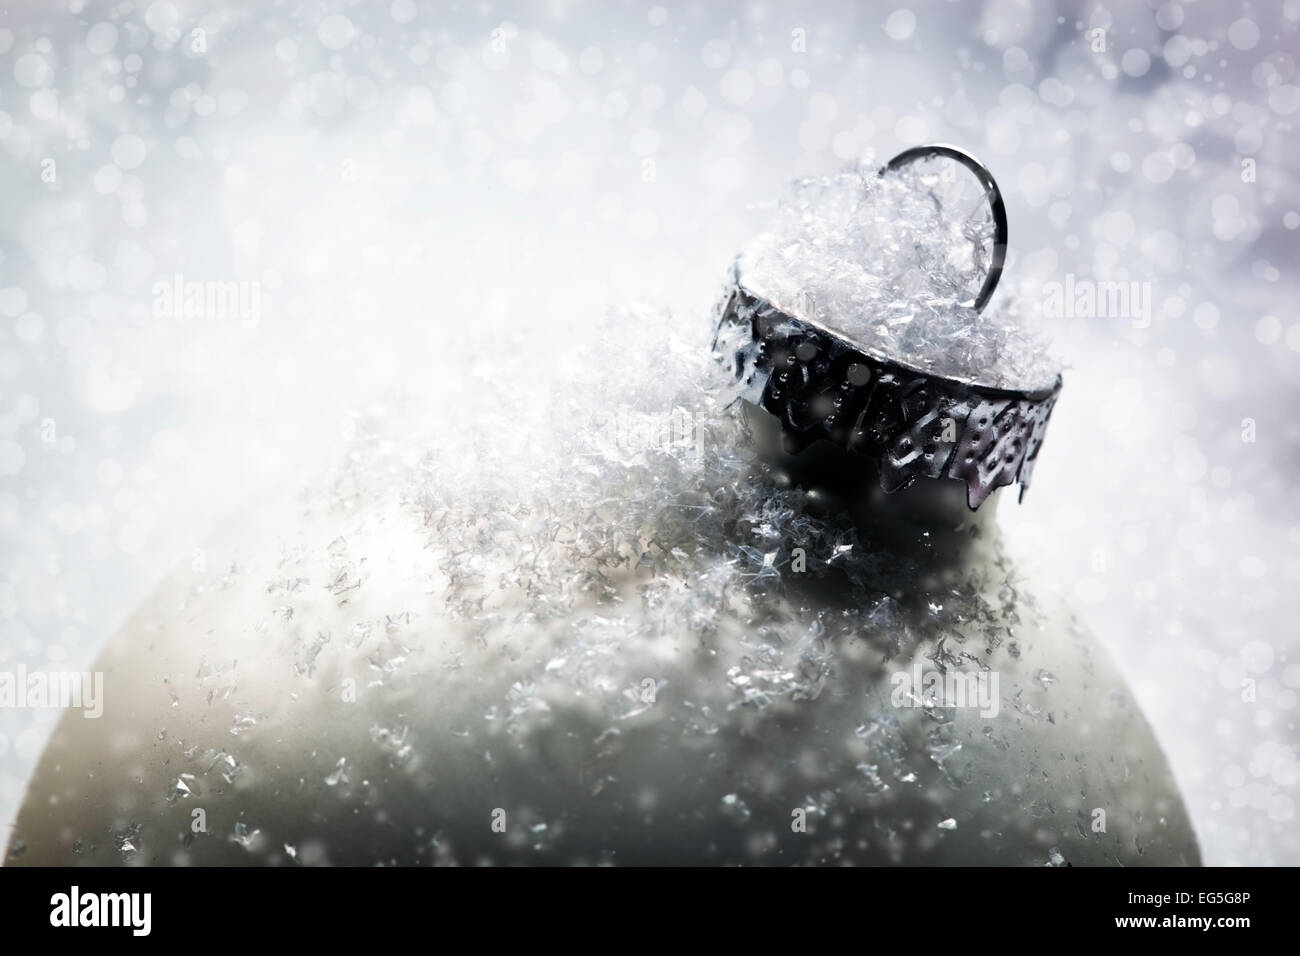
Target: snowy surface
(414,194)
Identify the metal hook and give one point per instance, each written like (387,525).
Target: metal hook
(990,189)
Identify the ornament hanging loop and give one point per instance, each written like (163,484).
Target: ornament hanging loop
(991,192)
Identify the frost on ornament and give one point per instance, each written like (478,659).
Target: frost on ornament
(893,263)
(558,608)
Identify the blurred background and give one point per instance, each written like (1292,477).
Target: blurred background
(390,192)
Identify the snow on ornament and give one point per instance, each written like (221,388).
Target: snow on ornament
(857,320)
(534,634)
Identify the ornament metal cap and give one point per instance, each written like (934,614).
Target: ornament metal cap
(821,385)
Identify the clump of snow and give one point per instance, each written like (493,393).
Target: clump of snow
(893,263)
